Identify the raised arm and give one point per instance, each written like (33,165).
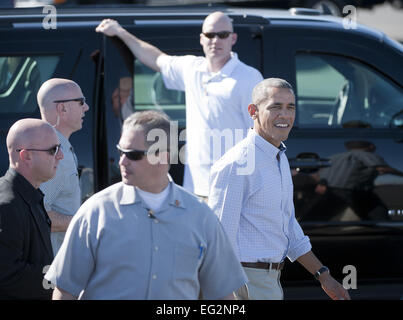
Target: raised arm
(145,52)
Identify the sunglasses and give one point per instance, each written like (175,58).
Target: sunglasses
(80,100)
(52,151)
(132,154)
(221,34)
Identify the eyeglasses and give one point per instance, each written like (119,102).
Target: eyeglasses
(132,154)
(52,151)
(80,100)
(221,34)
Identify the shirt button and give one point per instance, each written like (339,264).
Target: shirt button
(154,276)
(156,248)
(155,221)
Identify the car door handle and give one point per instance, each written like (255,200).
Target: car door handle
(308,162)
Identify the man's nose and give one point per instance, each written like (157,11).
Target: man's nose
(123,160)
(59,154)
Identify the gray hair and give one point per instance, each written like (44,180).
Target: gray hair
(148,121)
(260,91)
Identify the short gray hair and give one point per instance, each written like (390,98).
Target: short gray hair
(260,92)
(147,121)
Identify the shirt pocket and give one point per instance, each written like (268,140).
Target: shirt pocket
(187,262)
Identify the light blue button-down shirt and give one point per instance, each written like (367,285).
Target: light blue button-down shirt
(251,192)
(62,192)
(114,250)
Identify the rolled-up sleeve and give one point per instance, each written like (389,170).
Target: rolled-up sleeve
(299,242)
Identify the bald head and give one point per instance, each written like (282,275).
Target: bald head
(27,134)
(218,18)
(54,89)
(29,142)
(67,114)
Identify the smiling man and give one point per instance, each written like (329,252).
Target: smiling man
(256,209)
(62,104)
(217,87)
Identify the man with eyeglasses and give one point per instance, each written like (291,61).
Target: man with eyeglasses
(25,247)
(62,104)
(217,88)
(145,237)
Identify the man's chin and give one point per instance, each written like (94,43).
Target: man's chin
(127,182)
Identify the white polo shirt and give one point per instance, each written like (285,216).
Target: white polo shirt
(216,110)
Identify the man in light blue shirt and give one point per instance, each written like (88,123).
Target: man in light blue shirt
(62,104)
(145,237)
(251,192)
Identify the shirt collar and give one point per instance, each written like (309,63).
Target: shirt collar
(66,145)
(227,69)
(130,195)
(24,187)
(266,146)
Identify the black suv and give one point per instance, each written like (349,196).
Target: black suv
(345,150)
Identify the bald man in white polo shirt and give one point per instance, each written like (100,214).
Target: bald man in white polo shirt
(217,87)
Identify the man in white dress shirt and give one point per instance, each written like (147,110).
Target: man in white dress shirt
(252,194)
(217,87)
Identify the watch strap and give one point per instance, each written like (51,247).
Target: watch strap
(320,271)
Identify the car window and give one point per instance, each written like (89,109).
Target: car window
(334,91)
(20,79)
(150,93)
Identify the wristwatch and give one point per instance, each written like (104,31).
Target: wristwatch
(320,271)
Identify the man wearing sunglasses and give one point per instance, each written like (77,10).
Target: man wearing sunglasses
(217,87)
(62,104)
(25,247)
(145,237)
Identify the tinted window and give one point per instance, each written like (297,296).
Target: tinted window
(20,79)
(150,93)
(336,91)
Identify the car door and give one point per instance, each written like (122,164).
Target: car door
(346,153)
(30,55)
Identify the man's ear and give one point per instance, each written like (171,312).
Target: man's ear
(60,108)
(252,109)
(24,155)
(234,38)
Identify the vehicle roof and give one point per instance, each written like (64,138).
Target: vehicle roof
(188,14)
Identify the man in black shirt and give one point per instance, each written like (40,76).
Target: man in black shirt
(25,247)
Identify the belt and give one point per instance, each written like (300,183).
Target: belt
(263,265)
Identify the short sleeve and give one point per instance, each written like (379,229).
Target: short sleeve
(74,262)
(174,69)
